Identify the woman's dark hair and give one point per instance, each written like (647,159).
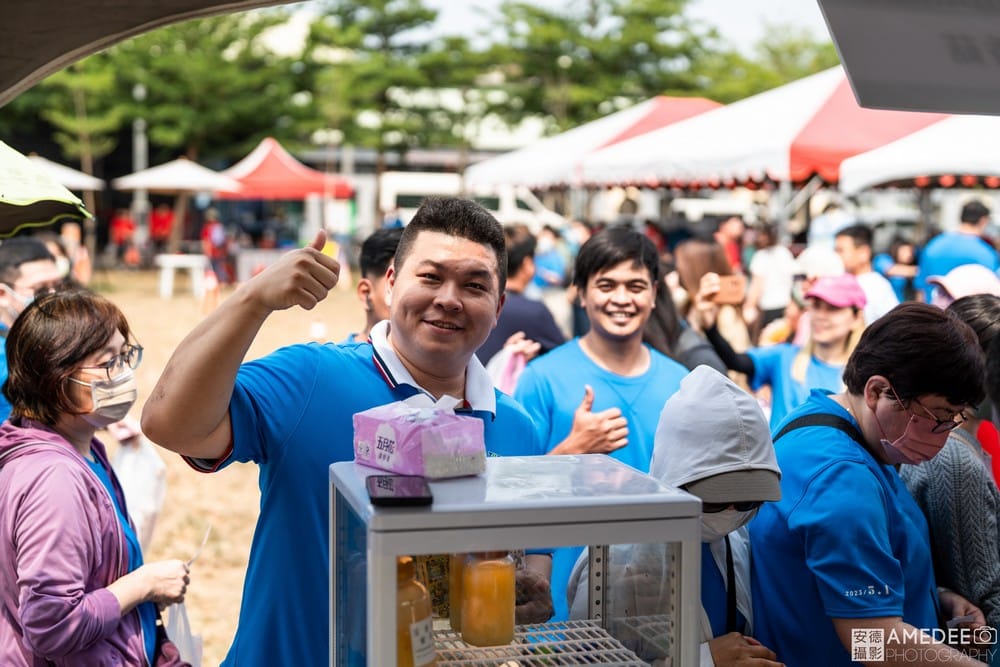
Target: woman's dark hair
(982,313)
(695,257)
(46,345)
(612,246)
(663,327)
(921,350)
(459,217)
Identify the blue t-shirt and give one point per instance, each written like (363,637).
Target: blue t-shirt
(714,598)
(551,388)
(846,540)
(946,251)
(772,366)
(292,415)
(147,610)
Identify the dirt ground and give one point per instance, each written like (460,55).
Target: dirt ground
(228,500)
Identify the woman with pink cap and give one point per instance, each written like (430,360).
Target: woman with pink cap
(834,304)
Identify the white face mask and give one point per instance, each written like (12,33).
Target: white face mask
(112,399)
(717,525)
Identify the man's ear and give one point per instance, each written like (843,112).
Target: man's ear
(390,282)
(874,388)
(365,293)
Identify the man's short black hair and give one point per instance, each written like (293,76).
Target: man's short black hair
(860,234)
(17,251)
(974,211)
(459,217)
(520,248)
(378,250)
(612,246)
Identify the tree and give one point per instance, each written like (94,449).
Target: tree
(213,88)
(365,87)
(592,59)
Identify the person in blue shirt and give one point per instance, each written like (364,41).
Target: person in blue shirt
(834,305)
(603,392)
(842,570)
(713,441)
(26,267)
(967,245)
(377,252)
(291,412)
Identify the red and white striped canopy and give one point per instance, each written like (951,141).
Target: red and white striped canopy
(804,128)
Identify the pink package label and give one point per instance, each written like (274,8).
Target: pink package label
(419,441)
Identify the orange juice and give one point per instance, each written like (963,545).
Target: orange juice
(488,599)
(414,629)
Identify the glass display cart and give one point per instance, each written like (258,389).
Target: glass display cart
(518,503)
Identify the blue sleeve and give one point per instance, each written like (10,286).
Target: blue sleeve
(535,396)
(846,542)
(766,363)
(882,263)
(269,400)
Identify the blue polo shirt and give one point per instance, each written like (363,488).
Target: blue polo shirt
(846,540)
(773,367)
(551,388)
(292,415)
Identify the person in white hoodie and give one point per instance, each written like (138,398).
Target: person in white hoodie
(713,441)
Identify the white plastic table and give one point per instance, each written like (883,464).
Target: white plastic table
(195,265)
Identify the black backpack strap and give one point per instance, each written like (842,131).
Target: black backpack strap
(823,419)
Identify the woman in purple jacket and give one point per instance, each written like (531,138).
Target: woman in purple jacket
(73,587)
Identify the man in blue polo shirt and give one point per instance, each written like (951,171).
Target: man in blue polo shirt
(291,412)
(841,568)
(603,392)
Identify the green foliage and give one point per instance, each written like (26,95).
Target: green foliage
(378,72)
(213,89)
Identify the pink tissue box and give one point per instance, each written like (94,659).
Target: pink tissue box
(423,441)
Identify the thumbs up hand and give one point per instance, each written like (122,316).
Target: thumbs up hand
(301,277)
(594,432)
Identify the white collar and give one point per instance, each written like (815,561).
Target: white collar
(479,393)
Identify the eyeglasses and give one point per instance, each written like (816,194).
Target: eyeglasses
(715,508)
(131,356)
(940,425)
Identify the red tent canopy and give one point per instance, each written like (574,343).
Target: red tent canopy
(270,172)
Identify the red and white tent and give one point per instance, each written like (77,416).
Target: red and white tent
(957,151)
(270,172)
(791,133)
(555,161)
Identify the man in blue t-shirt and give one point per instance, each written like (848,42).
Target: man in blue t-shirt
(603,392)
(291,411)
(841,568)
(967,245)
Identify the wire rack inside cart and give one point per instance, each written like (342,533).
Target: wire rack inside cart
(561,643)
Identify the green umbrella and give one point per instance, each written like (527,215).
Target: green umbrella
(29,197)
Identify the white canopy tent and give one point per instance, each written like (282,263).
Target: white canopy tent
(176,176)
(955,147)
(67,176)
(555,161)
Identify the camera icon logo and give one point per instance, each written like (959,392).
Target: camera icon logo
(984,635)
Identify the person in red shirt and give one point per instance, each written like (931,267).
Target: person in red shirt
(122,232)
(161,222)
(214,245)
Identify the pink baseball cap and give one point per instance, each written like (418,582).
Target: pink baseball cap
(842,291)
(968,279)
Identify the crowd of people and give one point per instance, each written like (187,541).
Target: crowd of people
(828,429)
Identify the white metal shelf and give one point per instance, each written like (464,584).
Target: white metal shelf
(561,643)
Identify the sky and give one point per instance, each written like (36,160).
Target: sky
(741,22)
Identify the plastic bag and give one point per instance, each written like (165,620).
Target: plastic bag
(505,368)
(188,644)
(143,476)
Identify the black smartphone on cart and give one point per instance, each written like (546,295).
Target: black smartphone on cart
(398,490)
